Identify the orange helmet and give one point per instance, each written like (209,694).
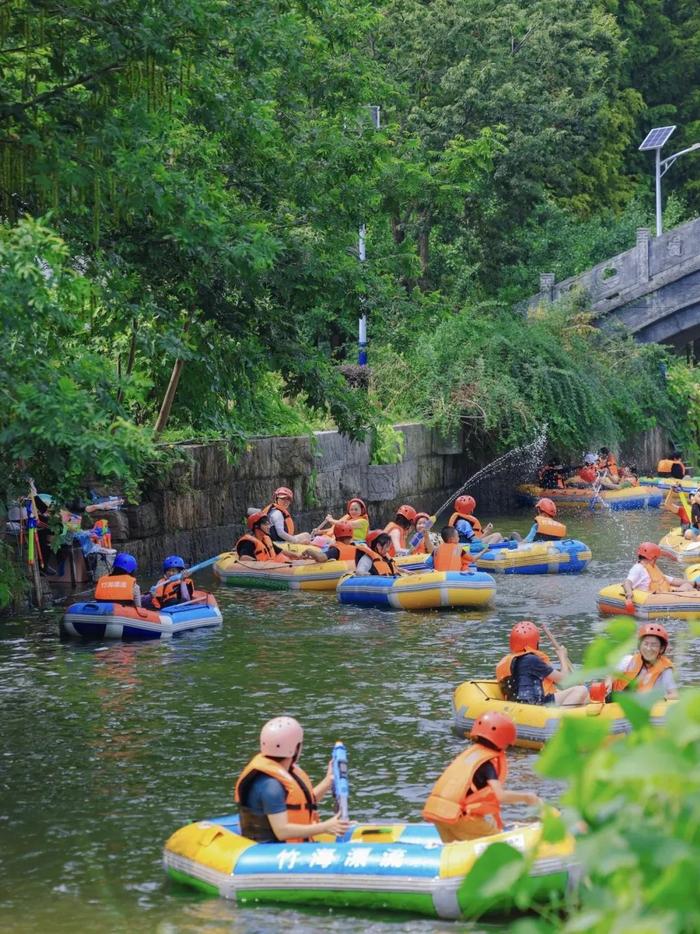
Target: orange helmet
(408,512)
(547,506)
(497,728)
(655,629)
(342,530)
(360,503)
(283,491)
(465,505)
(648,550)
(253,520)
(524,635)
(282,736)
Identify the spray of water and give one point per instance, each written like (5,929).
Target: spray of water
(526,454)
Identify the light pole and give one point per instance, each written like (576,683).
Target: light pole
(656,139)
(362,256)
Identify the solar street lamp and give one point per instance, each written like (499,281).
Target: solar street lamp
(656,139)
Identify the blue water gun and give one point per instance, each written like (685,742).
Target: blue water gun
(341,786)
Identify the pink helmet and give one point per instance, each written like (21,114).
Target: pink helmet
(282,736)
(283,491)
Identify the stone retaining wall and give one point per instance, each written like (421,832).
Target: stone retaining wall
(200,506)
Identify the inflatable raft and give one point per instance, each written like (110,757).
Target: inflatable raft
(536,724)
(675,546)
(568,556)
(688,485)
(681,604)
(399,867)
(112,621)
(632,497)
(423,590)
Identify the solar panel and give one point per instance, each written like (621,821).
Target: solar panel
(656,138)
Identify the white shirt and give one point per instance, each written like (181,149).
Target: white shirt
(364,566)
(639,577)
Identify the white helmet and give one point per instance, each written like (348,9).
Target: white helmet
(590,458)
(282,736)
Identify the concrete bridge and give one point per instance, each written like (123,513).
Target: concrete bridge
(653,289)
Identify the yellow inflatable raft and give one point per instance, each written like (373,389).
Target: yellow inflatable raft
(682,604)
(675,546)
(536,724)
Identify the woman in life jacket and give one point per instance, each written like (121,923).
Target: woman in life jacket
(119,586)
(281,522)
(468,526)
(449,555)
(356,515)
(398,529)
(647,669)
(256,544)
(545,528)
(374,557)
(275,797)
(607,463)
(344,548)
(646,576)
(465,802)
(526,675)
(168,592)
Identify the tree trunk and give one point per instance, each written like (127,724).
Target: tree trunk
(424,250)
(169,396)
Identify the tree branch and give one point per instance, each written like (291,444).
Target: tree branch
(10,110)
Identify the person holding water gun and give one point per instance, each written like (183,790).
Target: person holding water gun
(275,797)
(168,592)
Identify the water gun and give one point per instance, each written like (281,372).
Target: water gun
(417,537)
(341,786)
(100,531)
(31,531)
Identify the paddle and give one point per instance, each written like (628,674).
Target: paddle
(341,785)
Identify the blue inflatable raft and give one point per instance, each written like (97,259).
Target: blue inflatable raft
(112,621)
(568,556)
(424,590)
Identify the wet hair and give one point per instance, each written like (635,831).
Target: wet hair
(383,539)
(449,534)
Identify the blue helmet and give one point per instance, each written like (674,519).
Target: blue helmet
(125,562)
(174,561)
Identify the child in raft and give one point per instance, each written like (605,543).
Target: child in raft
(356,515)
(525,675)
(449,555)
(545,528)
(465,802)
(119,586)
(168,592)
(374,558)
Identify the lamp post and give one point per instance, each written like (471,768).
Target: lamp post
(362,256)
(655,140)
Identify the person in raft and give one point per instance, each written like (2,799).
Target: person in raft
(119,586)
(275,797)
(168,592)
(344,548)
(281,522)
(526,675)
(646,576)
(257,544)
(449,554)
(647,669)
(607,466)
(398,529)
(468,526)
(466,800)
(374,557)
(545,528)
(586,475)
(417,542)
(356,515)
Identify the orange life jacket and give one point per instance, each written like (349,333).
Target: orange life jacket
(288,521)
(609,463)
(264,549)
(117,588)
(454,795)
(301,801)
(419,549)
(389,528)
(449,556)
(634,669)
(658,582)
(384,567)
(167,591)
(506,680)
(472,520)
(550,527)
(663,468)
(346,552)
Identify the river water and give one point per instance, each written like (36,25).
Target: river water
(109,748)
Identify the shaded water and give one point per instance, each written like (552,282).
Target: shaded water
(109,748)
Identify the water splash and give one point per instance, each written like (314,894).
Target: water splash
(525,456)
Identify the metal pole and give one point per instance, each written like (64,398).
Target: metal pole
(659,218)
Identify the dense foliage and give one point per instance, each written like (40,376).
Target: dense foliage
(197,171)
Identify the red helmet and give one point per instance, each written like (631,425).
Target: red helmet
(497,728)
(524,635)
(547,506)
(282,736)
(465,505)
(253,520)
(360,503)
(648,550)
(283,491)
(373,535)
(408,512)
(342,530)
(655,629)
